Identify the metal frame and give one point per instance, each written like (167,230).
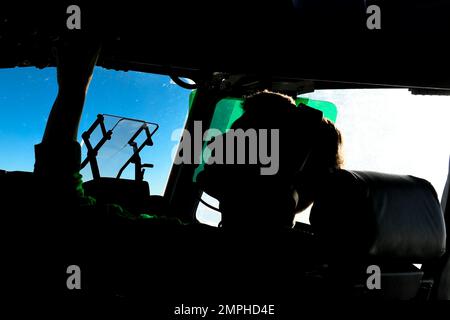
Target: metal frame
(107,134)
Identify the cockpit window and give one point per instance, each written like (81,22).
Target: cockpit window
(386,130)
(27,95)
(393,131)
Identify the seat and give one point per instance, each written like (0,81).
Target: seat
(130,194)
(391,221)
(440,270)
(125,192)
(443,290)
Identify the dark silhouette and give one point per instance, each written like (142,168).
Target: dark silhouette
(58,156)
(130,247)
(309,147)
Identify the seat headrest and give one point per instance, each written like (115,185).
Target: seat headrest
(379,215)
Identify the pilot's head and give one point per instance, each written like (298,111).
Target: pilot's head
(325,156)
(304,134)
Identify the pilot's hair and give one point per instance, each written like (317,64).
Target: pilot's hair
(327,150)
(268,101)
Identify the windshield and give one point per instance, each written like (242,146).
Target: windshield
(393,131)
(385,130)
(27,95)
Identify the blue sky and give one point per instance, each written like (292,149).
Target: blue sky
(27,94)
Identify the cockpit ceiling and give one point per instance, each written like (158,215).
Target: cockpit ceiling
(292,40)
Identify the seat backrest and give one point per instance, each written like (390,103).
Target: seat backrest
(130,194)
(443,291)
(383,219)
(444,283)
